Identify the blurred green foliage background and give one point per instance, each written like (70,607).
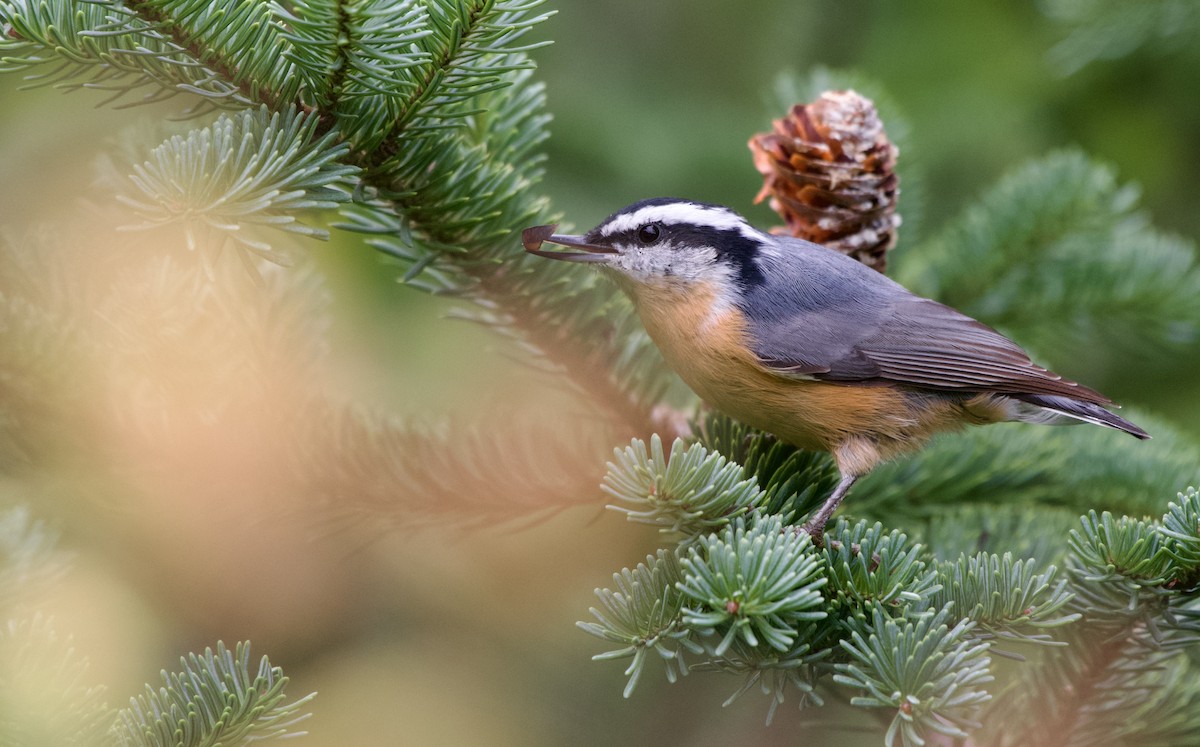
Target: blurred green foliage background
(448,637)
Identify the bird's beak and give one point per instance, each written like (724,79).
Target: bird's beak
(534,237)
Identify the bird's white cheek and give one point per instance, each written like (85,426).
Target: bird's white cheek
(640,265)
(667,263)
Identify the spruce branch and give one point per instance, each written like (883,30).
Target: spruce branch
(929,673)
(756,584)
(216,699)
(247,169)
(1025,531)
(644,614)
(1181,531)
(1013,222)
(243,43)
(794,481)
(445,206)
(1123,663)
(107,46)
(871,568)
(365,52)
(1100,689)
(354,464)
(449,209)
(1111,29)
(1166,700)
(1139,573)
(450,213)
(470,51)
(1131,292)
(317,32)
(689,493)
(1005,599)
(1119,567)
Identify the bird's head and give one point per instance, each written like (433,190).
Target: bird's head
(664,242)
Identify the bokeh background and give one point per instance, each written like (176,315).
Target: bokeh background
(443,635)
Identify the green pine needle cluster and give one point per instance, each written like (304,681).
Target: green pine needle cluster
(688,493)
(932,675)
(426,113)
(755,584)
(644,613)
(45,693)
(111,47)
(245,169)
(217,698)
(912,631)
(1005,598)
(870,566)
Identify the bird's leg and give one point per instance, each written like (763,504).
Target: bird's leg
(815,527)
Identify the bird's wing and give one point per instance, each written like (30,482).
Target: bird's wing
(870,330)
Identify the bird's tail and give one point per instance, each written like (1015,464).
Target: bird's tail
(1049,409)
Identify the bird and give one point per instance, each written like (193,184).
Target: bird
(810,345)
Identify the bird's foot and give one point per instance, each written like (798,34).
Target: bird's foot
(815,532)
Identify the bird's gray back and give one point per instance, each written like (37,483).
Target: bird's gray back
(823,315)
(815,305)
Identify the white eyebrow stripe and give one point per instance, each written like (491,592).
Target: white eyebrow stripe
(681,212)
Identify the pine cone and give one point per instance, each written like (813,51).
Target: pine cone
(829,170)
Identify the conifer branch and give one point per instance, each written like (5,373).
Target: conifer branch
(1180,530)
(1123,661)
(1108,29)
(492,471)
(794,481)
(689,493)
(216,699)
(463,34)
(239,42)
(644,613)
(754,584)
(447,207)
(251,168)
(1024,531)
(1005,599)
(869,567)
(108,47)
(928,672)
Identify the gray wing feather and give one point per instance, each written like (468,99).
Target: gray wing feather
(823,315)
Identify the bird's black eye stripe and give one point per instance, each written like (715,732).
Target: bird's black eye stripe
(650,233)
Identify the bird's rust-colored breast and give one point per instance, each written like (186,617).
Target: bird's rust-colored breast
(703,337)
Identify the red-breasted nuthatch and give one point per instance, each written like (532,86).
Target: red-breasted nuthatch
(810,345)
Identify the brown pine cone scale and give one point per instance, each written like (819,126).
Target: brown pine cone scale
(829,171)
